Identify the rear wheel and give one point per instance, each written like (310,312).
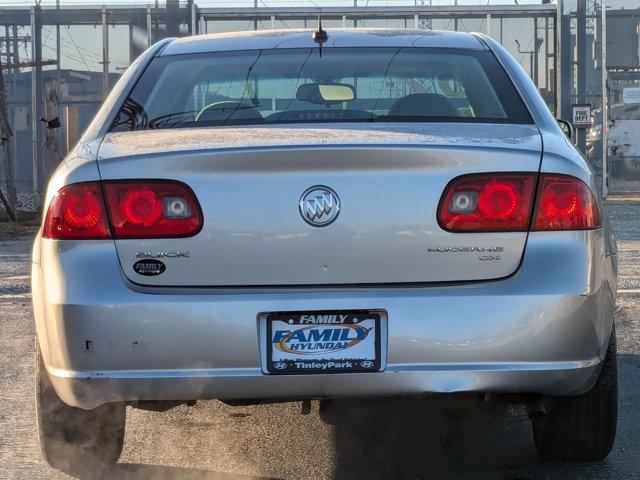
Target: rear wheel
(582,428)
(75,440)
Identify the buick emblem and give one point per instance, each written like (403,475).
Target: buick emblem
(319,206)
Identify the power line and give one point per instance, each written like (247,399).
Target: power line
(77,49)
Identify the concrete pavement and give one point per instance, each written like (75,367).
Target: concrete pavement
(439,438)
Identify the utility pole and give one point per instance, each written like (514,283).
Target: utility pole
(581,64)
(535,55)
(7,42)
(105,53)
(564,64)
(16,51)
(36,99)
(58,46)
(9,202)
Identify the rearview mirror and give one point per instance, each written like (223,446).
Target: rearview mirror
(567,128)
(325,93)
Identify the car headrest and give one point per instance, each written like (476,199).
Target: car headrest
(423,104)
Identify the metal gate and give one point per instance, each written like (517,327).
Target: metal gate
(91,45)
(623,135)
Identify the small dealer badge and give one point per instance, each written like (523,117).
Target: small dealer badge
(149,267)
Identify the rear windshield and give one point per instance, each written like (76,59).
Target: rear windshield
(261,87)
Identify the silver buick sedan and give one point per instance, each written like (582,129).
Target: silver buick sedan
(297,215)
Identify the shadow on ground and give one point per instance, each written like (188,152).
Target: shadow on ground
(439,437)
(452,438)
(430,438)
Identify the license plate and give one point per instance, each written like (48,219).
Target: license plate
(323,342)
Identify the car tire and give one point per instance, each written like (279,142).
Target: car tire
(74,440)
(582,428)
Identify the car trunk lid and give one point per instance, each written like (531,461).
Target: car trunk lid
(388,177)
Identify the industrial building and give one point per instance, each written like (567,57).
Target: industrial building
(60,61)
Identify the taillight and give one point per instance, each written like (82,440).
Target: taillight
(77,212)
(503,202)
(564,203)
(487,202)
(133,209)
(152,209)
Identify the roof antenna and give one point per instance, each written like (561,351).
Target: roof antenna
(320,36)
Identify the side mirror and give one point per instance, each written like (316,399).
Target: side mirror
(567,128)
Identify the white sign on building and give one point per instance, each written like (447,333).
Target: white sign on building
(581,116)
(631,95)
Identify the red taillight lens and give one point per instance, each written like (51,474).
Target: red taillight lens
(152,209)
(77,212)
(564,203)
(503,202)
(140,207)
(487,202)
(136,209)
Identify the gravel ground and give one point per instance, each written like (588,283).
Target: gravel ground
(626,221)
(435,438)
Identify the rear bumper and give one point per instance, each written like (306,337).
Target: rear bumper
(89,389)
(543,330)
